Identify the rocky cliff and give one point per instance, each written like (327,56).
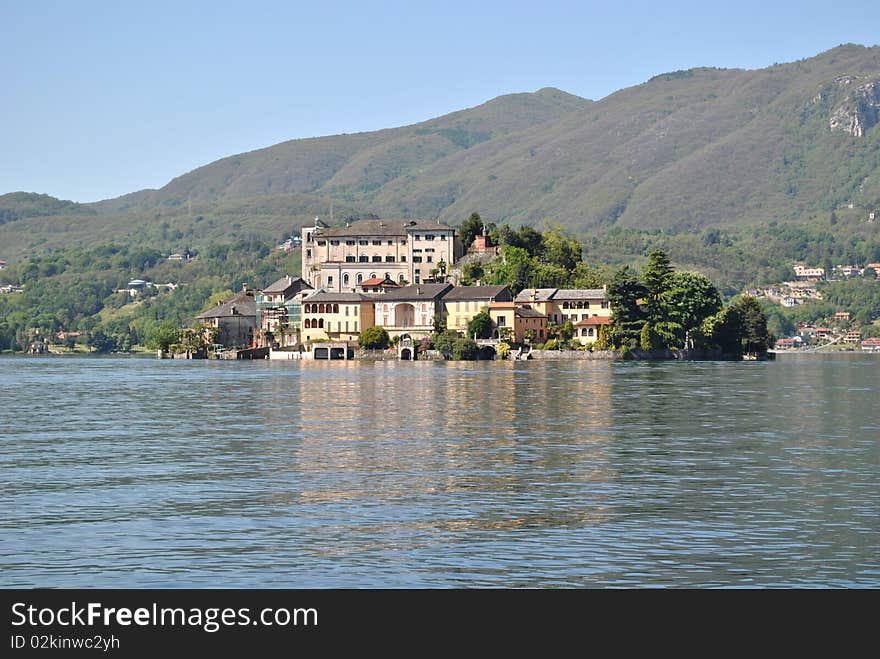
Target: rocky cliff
(860,110)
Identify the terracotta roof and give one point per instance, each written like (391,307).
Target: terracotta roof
(593,320)
(379,281)
(381,228)
(417,292)
(241,304)
(491,293)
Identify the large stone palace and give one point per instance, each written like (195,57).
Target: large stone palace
(339,259)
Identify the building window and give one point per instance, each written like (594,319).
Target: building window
(335,308)
(321,323)
(591,331)
(377,242)
(321,243)
(372,275)
(389,259)
(349,242)
(377,259)
(418,279)
(400,278)
(604,305)
(308,253)
(403,258)
(390,242)
(349,259)
(442,236)
(387,276)
(346,322)
(364,259)
(502,321)
(355,326)
(330,281)
(430,258)
(429,236)
(345,279)
(417,259)
(334,243)
(360,278)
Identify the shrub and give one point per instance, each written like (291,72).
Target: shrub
(464,349)
(374,338)
(503,350)
(445,341)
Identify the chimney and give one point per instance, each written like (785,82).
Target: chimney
(244,288)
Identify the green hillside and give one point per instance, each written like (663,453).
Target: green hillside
(686,150)
(696,148)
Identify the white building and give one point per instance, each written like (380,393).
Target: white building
(404,251)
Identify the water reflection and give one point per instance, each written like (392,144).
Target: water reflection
(440,474)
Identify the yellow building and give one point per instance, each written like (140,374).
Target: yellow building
(518,322)
(462,303)
(586,308)
(336,316)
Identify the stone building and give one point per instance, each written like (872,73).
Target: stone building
(339,259)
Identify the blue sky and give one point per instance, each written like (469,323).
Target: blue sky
(104,98)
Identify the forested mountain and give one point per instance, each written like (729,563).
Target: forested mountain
(685,150)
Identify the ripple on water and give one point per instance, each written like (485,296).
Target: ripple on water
(140,472)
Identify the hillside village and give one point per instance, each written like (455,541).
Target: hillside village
(841,329)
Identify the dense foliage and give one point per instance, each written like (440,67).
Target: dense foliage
(374,338)
(665,309)
(78,290)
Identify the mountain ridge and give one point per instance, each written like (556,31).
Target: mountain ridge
(684,150)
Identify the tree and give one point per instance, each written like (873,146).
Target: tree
(374,338)
(560,249)
(530,240)
(691,299)
(99,341)
(648,340)
(470,229)
(162,336)
(464,348)
(445,341)
(439,323)
(481,325)
(755,337)
(471,272)
(514,269)
(624,292)
(585,276)
(658,276)
(722,331)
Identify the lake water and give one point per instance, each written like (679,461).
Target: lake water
(134,472)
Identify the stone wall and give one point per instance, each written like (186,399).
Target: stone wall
(560,355)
